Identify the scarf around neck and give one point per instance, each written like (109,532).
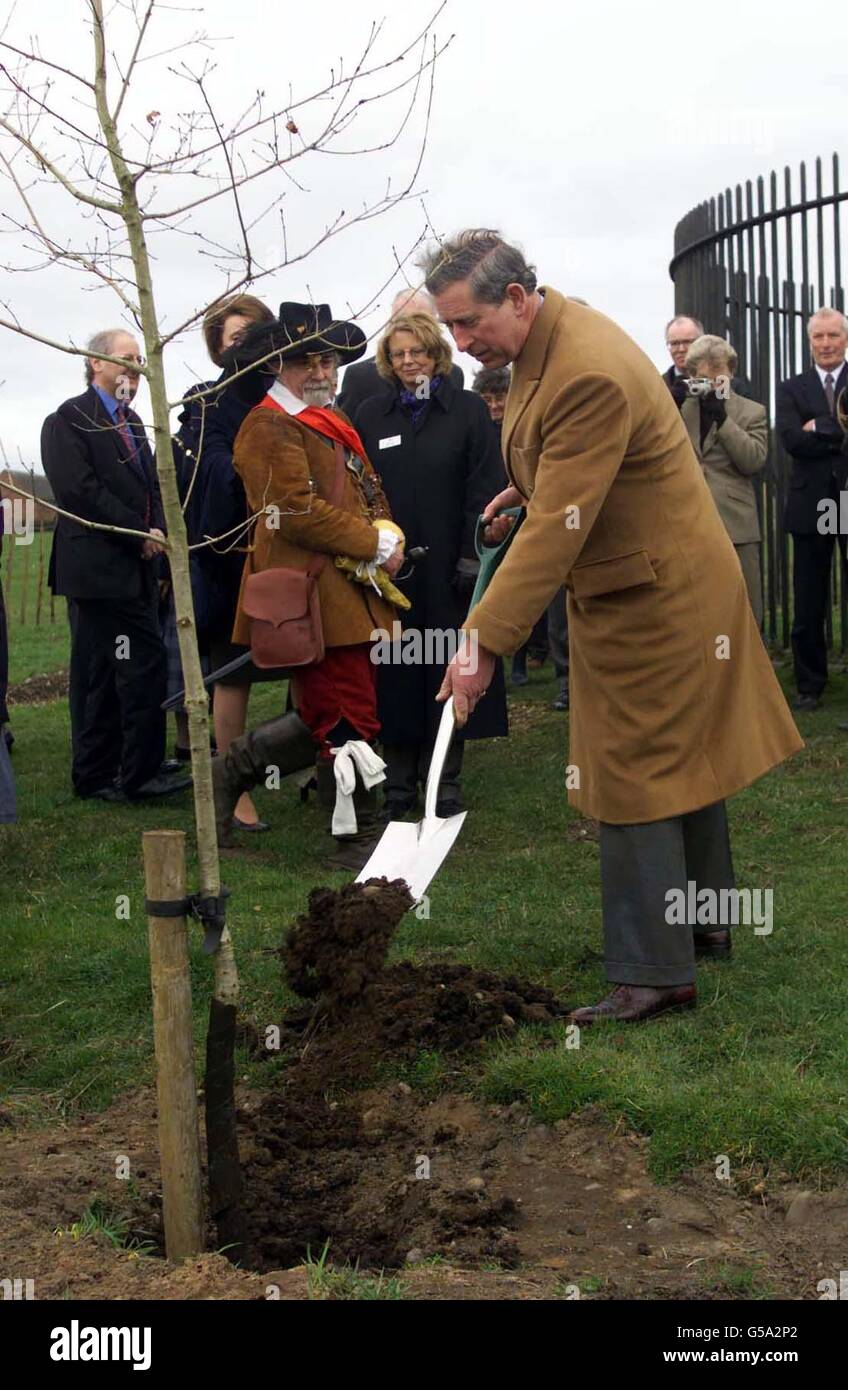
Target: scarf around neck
(414,404)
(324,421)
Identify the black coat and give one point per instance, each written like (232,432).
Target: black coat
(216,502)
(93,475)
(361,381)
(437,480)
(819,467)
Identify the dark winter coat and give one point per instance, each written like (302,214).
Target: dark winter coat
(437,476)
(216,502)
(818,463)
(93,476)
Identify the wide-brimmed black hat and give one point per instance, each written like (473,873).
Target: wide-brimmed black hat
(299,331)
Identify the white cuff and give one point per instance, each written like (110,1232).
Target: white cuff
(386,545)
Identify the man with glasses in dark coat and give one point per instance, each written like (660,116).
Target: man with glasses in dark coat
(100,467)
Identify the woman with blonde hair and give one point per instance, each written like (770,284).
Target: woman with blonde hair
(439,461)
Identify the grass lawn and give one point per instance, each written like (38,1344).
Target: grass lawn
(759,1072)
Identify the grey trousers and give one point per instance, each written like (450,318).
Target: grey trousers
(639,865)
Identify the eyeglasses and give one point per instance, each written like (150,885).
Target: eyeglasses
(418,354)
(679,342)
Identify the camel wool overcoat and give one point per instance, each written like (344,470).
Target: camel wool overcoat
(674,702)
(282,462)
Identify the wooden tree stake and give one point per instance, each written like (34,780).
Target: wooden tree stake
(179,1146)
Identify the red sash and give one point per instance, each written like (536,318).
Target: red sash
(326,422)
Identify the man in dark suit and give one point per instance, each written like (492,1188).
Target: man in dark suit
(680,333)
(361,380)
(100,467)
(807,425)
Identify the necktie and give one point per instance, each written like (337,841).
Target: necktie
(124,430)
(828,391)
(132,449)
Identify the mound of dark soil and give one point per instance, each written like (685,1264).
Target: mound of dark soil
(376,1174)
(338,947)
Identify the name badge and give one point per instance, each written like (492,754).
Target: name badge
(391,442)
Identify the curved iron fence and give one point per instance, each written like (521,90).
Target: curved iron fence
(752,264)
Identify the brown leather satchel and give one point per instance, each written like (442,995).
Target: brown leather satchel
(282,604)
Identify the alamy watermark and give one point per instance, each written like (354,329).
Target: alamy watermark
(720,907)
(19,519)
(432,646)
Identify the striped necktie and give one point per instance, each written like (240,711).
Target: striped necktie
(829,392)
(124,430)
(131,444)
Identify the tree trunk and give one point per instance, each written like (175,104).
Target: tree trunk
(222,1140)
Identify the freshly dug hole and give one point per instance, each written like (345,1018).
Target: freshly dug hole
(378,1173)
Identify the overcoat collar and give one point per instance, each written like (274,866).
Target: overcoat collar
(443,397)
(529,365)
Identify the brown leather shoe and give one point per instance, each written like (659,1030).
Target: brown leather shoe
(634,1004)
(713,943)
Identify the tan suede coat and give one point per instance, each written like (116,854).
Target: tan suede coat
(674,702)
(277,459)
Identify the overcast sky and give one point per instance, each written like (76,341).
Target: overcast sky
(584,132)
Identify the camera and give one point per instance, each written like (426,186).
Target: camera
(699,386)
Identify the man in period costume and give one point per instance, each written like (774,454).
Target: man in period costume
(674,702)
(286,456)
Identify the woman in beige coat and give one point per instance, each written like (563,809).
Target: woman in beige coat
(730,437)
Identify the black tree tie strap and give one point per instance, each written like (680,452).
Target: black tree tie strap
(209,910)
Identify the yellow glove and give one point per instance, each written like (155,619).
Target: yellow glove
(369,572)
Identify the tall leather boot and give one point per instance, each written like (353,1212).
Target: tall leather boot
(284,743)
(400,789)
(352,852)
(325,783)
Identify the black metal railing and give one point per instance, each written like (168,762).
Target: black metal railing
(752,264)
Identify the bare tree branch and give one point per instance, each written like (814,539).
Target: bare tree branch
(125,86)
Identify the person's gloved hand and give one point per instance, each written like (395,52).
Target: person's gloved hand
(713,410)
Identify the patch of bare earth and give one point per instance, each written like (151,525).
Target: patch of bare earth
(462,1200)
(39,690)
(510,1210)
